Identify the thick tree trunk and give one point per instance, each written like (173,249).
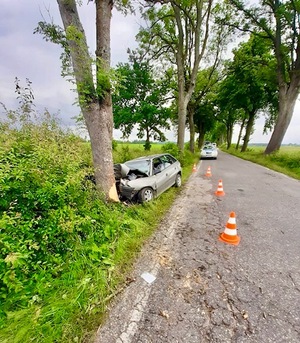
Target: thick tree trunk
(181,128)
(240,134)
(107,178)
(249,127)
(229,135)
(182,105)
(201,136)
(97,114)
(99,128)
(287,102)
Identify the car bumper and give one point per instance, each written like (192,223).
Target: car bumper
(209,156)
(127,192)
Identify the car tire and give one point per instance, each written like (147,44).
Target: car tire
(146,194)
(177,180)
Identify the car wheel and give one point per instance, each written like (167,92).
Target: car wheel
(146,194)
(177,181)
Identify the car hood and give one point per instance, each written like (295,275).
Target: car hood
(121,171)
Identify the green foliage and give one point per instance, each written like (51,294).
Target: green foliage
(147,146)
(171,148)
(114,144)
(103,78)
(122,153)
(140,102)
(249,87)
(42,206)
(56,34)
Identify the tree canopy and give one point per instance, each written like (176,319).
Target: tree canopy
(141,101)
(278,23)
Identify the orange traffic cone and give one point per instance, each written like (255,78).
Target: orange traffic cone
(220,192)
(230,234)
(208,172)
(194,167)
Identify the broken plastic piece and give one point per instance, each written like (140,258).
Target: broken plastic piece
(148,277)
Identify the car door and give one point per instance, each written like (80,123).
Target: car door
(161,175)
(171,169)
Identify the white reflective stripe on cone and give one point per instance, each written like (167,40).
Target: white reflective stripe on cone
(231,220)
(230,232)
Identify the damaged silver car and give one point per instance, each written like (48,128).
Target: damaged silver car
(145,178)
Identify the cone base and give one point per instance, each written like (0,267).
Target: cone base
(220,194)
(235,240)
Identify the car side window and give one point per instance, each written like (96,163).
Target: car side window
(158,166)
(167,160)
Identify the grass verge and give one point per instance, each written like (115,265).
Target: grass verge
(285,161)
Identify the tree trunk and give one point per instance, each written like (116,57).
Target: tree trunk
(97,113)
(287,102)
(229,135)
(147,145)
(182,105)
(249,127)
(186,89)
(101,141)
(240,134)
(182,110)
(201,136)
(192,129)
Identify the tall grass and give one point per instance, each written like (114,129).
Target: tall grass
(286,160)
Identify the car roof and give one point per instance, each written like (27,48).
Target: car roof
(149,157)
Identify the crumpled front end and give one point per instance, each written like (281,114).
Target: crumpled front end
(127,191)
(129,181)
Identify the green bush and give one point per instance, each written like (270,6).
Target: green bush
(171,148)
(42,207)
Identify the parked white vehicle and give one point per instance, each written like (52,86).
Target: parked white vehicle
(209,151)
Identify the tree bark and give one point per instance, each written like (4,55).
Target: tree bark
(229,134)
(287,101)
(97,112)
(201,135)
(249,127)
(240,134)
(192,129)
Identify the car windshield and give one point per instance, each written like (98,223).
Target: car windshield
(208,147)
(141,165)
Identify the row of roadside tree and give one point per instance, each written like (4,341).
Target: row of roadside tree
(180,68)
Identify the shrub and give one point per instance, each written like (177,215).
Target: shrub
(40,206)
(171,148)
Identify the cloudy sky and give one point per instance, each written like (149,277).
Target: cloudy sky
(25,55)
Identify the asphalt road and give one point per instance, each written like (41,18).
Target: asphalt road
(209,291)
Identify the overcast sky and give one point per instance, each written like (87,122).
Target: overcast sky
(25,55)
